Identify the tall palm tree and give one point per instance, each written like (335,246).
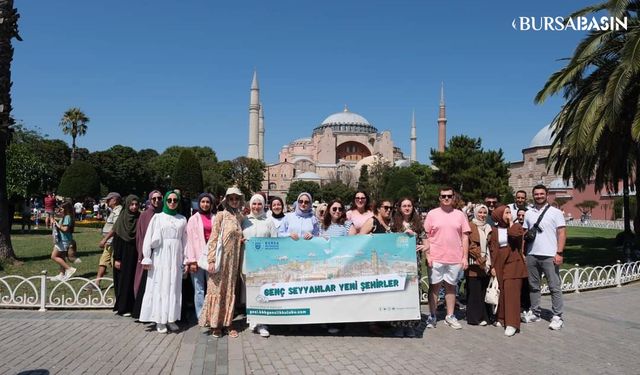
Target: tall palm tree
(74,122)
(597,132)
(8,30)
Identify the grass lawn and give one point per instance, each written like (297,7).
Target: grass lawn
(585,246)
(34,252)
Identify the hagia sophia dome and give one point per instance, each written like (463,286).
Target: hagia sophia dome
(346,122)
(543,138)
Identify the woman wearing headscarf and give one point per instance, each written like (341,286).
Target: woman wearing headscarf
(276,213)
(163,251)
(154,206)
(125,256)
(198,233)
(407,220)
(257,224)
(359,211)
(479,265)
(219,301)
(508,266)
(301,222)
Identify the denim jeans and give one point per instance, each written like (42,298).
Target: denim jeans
(537,265)
(199,280)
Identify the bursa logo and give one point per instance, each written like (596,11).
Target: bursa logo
(257,245)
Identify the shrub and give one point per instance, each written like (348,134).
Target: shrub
(80,180)
(188,175)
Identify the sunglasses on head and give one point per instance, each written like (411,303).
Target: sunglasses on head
(336,209)
(445,196)
(172,200)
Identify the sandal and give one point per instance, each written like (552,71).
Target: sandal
(233,333)
(216,332)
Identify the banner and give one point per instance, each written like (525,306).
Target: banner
(364,278)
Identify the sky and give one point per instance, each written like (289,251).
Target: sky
(152,74)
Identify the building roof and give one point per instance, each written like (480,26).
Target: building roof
(559,183)
(308,176)
(346,122)
(543,138)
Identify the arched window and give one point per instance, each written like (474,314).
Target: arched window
(272,186)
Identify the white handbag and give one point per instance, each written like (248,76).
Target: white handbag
(492,296)
(203,260)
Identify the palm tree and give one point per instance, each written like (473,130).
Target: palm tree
(597,132)
(74,122)
(8,30)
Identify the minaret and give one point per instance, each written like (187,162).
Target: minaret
(261,132)
(254,108)
(442,122)
(413,137)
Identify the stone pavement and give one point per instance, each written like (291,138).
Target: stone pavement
(601,336)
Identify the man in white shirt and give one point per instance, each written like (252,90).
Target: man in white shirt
(544,254)
(520,203)
(78,209)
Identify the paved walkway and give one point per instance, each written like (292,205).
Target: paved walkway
(601,336)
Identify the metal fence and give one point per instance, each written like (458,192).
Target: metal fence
(43,293)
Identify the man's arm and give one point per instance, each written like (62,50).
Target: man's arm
(465,250)
(562,239)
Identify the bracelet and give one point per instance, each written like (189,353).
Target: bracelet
(560,253)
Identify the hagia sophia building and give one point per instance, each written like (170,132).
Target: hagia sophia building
(345,141)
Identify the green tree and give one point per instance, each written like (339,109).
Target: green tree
(587,206)
(24,171)
(298,187)
(79,181)
(336,189)
(378,172)
(188,175)
(74,122)
(247,174)
(427,188)
(470,170)
(164,165)
(401,182)
(597,131)
(561,201)
(121,169)
(363,180)
(8,31)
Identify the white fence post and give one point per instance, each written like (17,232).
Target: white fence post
(576,279)
(618,274)
(43,291)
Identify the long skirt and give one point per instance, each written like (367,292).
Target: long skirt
(477,310)
(125,252)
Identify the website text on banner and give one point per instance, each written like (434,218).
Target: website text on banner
(345,279)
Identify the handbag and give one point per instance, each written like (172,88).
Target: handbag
(203,260)
(492,296)
(530,236)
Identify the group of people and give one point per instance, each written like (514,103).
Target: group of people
(150,251)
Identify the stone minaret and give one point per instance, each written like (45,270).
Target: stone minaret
(261,132)
(442,122)
(254,108)
(413,137)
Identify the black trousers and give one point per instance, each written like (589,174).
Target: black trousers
(477,310)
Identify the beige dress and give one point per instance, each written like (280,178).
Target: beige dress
(217,311)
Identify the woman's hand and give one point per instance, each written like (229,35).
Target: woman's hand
(117,264)
(146,267)
(211,267)
(308,236)
(294,236)
(421,248)
(493,272)
(410,232)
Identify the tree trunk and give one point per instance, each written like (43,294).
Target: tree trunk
(73,149)
(628,236)
(8,31)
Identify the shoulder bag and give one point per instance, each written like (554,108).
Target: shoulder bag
(203,260)
(530,236)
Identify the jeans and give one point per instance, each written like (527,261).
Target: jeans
(537,265)
(199,280)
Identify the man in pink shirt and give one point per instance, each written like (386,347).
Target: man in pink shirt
(447,248)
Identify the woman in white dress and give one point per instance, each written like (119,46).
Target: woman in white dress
(163,250)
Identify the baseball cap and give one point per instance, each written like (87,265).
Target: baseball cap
(111,195)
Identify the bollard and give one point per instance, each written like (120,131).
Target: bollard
(618,267)
(43,290)
(576,278)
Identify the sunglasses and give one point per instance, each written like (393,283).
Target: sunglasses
(361,198)
(388,208)
(303,202)
(446,196)
(156,198)
(172,200)
(337,209)
(233,198)
(491,202)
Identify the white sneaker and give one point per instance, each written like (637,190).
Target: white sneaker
(432,321)
(173,327)
(509,331)
(161,328)
(482,323)
(556,323)
(57,277)
(452,322)
(78,260)
(68,273)
(497,324)
(333,330)
(263,331)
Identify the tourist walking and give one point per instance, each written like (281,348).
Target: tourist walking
(114,201)
(407,220)
(257,224)
(301,223)
(218,309)
(198,234)
(544,254)
(63,240)
(125,256)
(479,266)
(359,211)
(163,251)
(508,266)
(447,231)
(154,206)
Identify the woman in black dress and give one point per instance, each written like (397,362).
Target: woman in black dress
(125,256)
